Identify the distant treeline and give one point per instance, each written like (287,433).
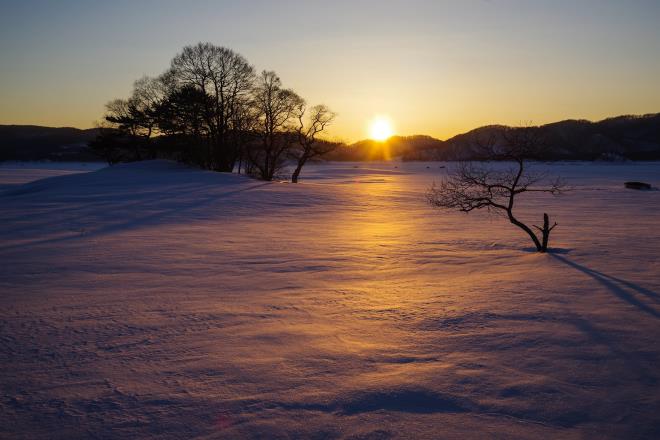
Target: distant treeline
(212,110)
(32,143)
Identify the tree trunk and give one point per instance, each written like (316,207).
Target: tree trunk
(296,173)
(546,232)
(524,227)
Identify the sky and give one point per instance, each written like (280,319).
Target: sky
(432,67)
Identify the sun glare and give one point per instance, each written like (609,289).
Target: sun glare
(380,128)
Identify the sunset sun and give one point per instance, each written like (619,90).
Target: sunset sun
(380,128)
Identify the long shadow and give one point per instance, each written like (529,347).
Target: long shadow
(644,291)
(616,286)
(640,365)
(144,220)
(161,215)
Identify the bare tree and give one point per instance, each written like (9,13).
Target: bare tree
(245,127)
(479,185)
(227,78)
(318,119)
(275,107)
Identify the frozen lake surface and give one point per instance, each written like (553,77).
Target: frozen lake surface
(157,301)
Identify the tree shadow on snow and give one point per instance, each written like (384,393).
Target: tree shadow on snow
(550,250)
(155,212)
(623,289)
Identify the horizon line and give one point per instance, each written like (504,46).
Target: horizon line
(338,138)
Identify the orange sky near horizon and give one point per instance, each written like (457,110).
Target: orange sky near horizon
(433,67)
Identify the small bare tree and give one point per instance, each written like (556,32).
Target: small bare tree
(318,119)
(477,185)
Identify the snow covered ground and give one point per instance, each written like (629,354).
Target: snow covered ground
(14,173)
(152,300)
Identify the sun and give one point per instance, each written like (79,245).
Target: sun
(380,128)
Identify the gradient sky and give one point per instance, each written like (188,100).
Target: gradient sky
(434,67)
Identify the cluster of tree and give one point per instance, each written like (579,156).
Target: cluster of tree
(211,109)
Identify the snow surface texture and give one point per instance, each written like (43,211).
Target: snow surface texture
(154,300)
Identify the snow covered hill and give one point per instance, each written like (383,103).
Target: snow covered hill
(158,301)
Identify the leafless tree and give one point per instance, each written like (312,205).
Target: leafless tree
(318,118)
(227,78)
(245,126)
(275,107)
(478,185)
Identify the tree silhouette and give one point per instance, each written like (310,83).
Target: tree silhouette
(275,108)
(318,118)
(210,109)
(226,78)
(181,121)
(478,185)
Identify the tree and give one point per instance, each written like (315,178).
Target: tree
(110,144)
(473,185)
(181,122)
(129,124)
(210,109)
(226,78)
(122,116)
(148,93)
(275,109)
(318,119)
(245,120)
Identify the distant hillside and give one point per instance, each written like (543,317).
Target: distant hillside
(32,142)
(396,146)
(622,137)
